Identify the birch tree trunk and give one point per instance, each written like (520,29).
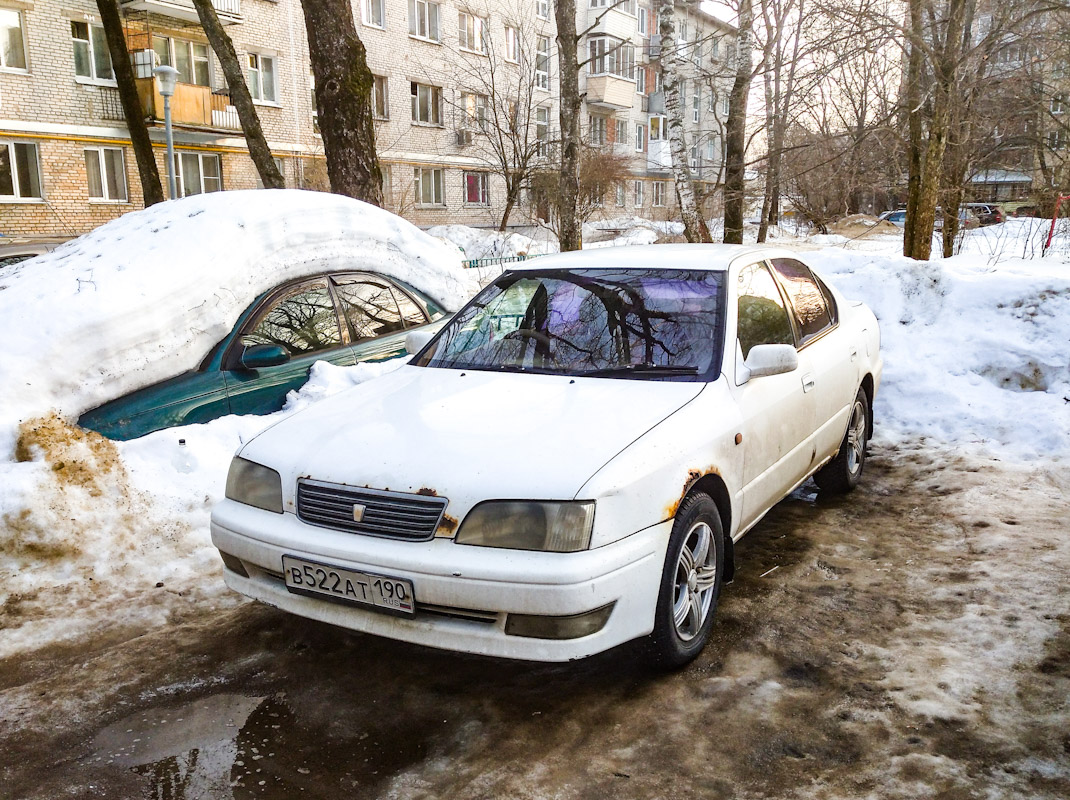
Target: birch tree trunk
(736,129)
(344,89)
(148,172)
(570,229)
(695,228)
(259,151)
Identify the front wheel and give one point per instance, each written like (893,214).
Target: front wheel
(690,583)
(843,472)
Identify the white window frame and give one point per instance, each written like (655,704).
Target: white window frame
(471,33)
(428,26)
(92,77)
(542,9)
(180,175)
(659,194)
(255,77)
(711,100)
(542,131)
(475,111)
(637,191)
(542,63)
(368,9)
(436,177)
(17,196)
(640,79)
(640,137)
(696,102)
(642,23)
(597,130)
(620,133)
(4,66)
(434,105)
(482,187)
(377,81)
(726,105)
(608,55)
(620,195)
(711,149)
(105,196)
(657,121)
(1058,104)
(512,45)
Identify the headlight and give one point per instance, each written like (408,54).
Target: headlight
(527,525)
(254,485)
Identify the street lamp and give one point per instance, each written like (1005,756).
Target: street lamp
(168,76)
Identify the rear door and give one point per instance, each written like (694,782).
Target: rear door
(378,314)
(302,319)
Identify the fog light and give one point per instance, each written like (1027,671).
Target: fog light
(573,626)
(233,563)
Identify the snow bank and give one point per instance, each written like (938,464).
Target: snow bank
(482,243)
(146,296)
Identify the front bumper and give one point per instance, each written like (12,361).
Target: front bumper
(463,594)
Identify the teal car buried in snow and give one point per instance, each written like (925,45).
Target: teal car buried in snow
(340,317)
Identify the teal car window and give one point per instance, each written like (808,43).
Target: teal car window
(302,320)
(370,308)
(410,312)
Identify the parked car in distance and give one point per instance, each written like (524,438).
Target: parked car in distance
(567,464)
(897,217)
(14,249)
(986,213)
(967,220)
(340,317)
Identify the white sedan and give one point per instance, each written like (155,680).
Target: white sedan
(567,464)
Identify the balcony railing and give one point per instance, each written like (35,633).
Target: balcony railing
(610,91)
(229,11)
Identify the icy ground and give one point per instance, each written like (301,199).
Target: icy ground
(97,534)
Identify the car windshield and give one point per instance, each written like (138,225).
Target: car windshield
(631,323)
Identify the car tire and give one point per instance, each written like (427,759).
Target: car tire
(687,599)
(843,472)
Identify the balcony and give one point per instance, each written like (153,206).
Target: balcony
(656,103)
(191,106)
(611,22)
(658,156)
(229,11)
(610,91)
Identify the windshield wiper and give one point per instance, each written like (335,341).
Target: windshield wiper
(654,370)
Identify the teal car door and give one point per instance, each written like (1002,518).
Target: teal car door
(303,320)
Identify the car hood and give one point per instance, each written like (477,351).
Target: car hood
(467,435)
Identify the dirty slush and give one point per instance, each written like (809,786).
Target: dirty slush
(911,640)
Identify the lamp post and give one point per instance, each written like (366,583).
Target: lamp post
(168,76)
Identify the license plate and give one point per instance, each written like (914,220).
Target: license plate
(348,586)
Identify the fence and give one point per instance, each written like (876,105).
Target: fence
(479,263)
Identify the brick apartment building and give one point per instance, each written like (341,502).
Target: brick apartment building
(66,164)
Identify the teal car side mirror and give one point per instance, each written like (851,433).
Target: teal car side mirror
(264,355)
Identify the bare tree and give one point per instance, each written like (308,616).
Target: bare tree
(600,172)
(736,128)
(240,98)
(344,99)
(570,228)
(133,111)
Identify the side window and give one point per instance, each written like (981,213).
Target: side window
(805,296)
(370,308)
(830,301)
(302,320)
(763,319)
(410,312)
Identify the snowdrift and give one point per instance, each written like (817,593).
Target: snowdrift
(147,295)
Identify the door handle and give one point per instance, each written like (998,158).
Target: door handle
(808,382)
(854,353)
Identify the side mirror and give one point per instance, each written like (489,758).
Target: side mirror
(771,359)
(416,341)
(264,355)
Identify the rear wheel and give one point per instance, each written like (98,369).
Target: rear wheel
(843,472)
(690,583)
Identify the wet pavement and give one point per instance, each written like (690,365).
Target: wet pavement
(911,640)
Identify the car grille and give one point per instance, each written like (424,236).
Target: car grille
(395,515)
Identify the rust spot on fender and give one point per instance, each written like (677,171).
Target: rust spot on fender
(693,477)
(447,526)
(426,492)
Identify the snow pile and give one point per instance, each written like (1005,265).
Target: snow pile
(974,354)
(479,243)
(93,531)
(146,296)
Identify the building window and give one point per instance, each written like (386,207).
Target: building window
(542,63)
(609,56)
(621,134)
(640,80)
(637,190)
(91,57)
(1058,104)
(640,137)
(423,20)
(512,45)
(659,193)
(710,150)
(711,99)
(428,186)
(426,104)
(643,23)
(725,105)
(692,160)
(620,194)
(657,128)
(279,165)
(12,43)
(657,81)
(627,6)
(596,127)
(315,107)
(198,173)
(191,59)
(106,173)
(380,98)
(542,9)
(696,102)
(542,131)
(20,172)
(262,78)
(474,108)
(715,48)
(476,192)
(373,14)
(471,32)
(696,51)
(1057,140)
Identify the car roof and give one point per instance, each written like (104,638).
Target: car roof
(713,257)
